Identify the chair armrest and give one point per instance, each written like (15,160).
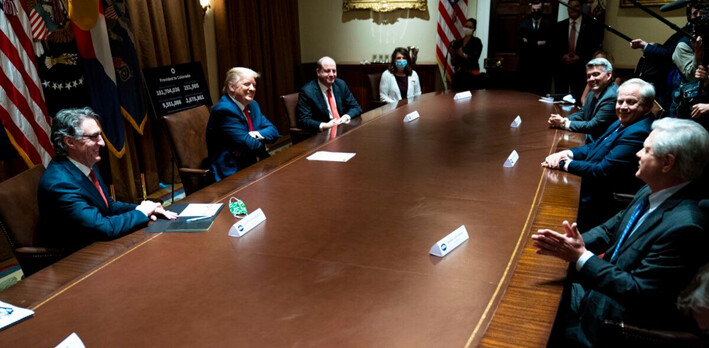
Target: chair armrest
(39,252)
(194,172)
(623,197)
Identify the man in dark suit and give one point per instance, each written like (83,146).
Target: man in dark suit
(535,53)
(326,101)
(74,205)
(598,112)
(631,268)
(608,164)
(576,40)
(237,131)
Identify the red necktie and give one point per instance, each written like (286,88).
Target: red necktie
(335,114)
(572,37)
(248,119)
(94,179)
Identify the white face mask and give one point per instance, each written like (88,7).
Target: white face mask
(467,31)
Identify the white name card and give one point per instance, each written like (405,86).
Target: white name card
(512,159)
(517,121)
(462,95)
(72,341)
(450,242)
(246,224)
(412,116)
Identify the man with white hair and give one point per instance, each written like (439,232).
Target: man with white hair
(631,268)
(607,165)
(237,131)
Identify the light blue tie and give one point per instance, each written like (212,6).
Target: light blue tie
(637,213)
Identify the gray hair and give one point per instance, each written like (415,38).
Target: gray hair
(236,74)
(647,91)
(687,140)
(322,60)
(602,62)
(67,123)
(696,295)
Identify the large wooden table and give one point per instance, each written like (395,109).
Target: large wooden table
(343,258)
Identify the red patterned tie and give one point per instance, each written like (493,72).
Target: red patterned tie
(94,179)
(248,119)
(335,114)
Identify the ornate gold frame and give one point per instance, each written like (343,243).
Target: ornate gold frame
(383,5)
(626,3)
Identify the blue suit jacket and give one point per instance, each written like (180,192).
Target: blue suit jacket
(312,108)
(229,144)
(653,265)
(72,212)
(608,165)
(595,122)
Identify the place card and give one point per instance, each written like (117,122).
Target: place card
(450,242)
(331,156)
(411,116)
(72,341)
(462,95)
(517,121)
(246,224)
(512,159)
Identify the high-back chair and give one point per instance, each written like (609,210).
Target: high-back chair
(187,134)
(290,102)
(19,219)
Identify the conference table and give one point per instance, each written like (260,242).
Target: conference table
(343,256)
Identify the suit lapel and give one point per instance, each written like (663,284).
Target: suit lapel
(652,220)
(321,99)
(607,138)
(85,183)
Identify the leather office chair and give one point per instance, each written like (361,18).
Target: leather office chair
(187,134)
(297,134)
(19,218)
(374,80)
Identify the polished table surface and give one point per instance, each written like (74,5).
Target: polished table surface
(343,258)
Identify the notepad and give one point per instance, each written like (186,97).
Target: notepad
(331,156)
(11,315)
(190,221)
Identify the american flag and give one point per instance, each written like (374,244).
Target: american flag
(451,17)
(22,109)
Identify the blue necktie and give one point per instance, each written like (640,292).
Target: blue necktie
(637,213)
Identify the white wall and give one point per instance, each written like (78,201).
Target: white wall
(357,35)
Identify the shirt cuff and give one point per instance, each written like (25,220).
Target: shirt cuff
(582,259)
(567,124)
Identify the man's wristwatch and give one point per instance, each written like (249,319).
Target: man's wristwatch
(562,163)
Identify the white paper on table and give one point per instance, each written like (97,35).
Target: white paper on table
(72,341)
(18,314)
(201,209)
(331,156)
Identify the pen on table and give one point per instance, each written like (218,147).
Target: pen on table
(199,218)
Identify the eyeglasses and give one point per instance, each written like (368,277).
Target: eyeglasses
(6,311)
(92,137)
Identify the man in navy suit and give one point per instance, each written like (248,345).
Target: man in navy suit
(326,101)
(237,131)
(598,112)
(74,205)
(632,268)
(608,164)
(576,40)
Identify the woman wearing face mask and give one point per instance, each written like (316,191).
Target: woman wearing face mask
(400,79)
(464,56)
